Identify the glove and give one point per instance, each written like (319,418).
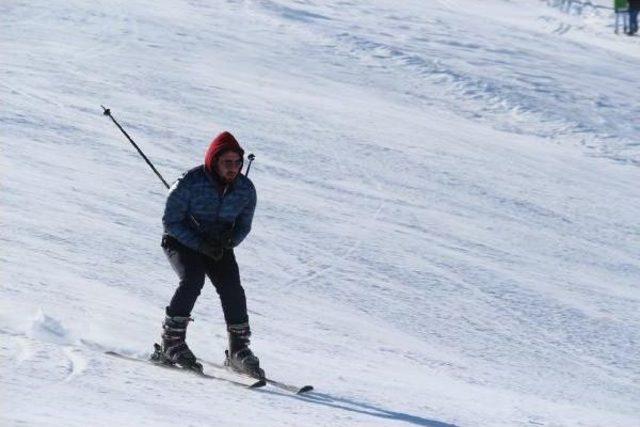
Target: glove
(212,249)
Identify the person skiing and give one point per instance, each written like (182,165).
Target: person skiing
(621,9)
(634,9)
(209,211)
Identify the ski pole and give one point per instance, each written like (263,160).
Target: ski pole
(107,112)
(250,157)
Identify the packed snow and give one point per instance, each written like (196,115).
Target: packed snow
(447,227)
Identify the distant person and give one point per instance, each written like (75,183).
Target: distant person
(634,8)
(621,8)
(209,212)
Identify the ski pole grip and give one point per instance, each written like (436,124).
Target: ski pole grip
(251,157)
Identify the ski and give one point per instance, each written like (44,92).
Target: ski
(278,384)
(290,388)
(199,372)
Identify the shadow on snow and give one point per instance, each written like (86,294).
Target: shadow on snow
(361,408)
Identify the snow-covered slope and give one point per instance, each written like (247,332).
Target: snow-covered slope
(447,230)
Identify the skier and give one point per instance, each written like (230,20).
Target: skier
(634,8)
(621,9)
(209,212)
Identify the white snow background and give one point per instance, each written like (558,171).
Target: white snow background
(447,231)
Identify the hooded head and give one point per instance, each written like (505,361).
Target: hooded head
(220,145)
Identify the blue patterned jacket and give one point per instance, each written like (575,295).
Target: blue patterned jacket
(196,194)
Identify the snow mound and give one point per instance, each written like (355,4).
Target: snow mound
(48,329)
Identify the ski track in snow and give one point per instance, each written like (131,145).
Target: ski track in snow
(446,230)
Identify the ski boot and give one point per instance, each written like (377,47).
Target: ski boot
(174,349)
(239,356)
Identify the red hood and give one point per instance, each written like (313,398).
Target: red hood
(221,143)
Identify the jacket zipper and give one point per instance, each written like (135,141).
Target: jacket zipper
(221,199)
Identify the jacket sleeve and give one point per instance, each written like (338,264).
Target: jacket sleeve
(244,220)
(176,220)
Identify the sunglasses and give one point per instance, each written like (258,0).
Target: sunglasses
(232,163)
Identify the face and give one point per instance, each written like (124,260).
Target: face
(228,166)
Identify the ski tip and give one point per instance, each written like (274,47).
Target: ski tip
(305,389)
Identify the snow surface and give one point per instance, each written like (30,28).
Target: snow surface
(447,230)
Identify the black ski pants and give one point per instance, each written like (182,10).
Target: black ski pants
(191,268)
